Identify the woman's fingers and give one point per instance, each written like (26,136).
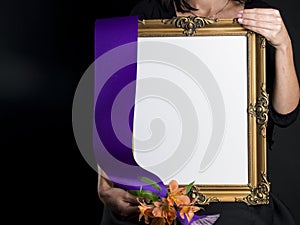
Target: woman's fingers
(132,211)
(267,22)
(263,11)
(262,16)
(131,199)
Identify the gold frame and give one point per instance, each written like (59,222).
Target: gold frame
(257,190)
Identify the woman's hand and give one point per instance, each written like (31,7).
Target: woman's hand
(119,201)
(268,23)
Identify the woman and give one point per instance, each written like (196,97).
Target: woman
(282,86)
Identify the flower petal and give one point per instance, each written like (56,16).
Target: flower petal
(173,185)
(203,220)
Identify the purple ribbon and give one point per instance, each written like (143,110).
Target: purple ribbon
(115,68)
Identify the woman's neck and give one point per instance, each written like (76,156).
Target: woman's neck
(207,5)
(214,8)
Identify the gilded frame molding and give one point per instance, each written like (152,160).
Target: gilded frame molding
(256,192)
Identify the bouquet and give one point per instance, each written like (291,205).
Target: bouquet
(175,206)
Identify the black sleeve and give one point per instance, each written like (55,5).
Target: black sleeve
(153,9)
(284,120)
(256,4)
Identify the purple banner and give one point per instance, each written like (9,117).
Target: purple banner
(115,72)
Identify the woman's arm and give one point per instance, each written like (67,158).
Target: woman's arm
(268,22)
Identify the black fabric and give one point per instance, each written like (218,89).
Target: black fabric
(276,212)
(109,218)
(154,9)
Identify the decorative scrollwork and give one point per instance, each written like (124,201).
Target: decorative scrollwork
(190,23)
(259,195)
(249,33)
(260,110)
(196,195)
(262,41)
(235,20)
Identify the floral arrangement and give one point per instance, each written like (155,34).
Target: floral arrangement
(175,206)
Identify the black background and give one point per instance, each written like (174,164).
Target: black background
(45,47)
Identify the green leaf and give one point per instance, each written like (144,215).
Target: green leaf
(144,194)
(151,182)
(135,193)
(149,195)
(188,188)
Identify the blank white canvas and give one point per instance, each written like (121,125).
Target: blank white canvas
(225,57)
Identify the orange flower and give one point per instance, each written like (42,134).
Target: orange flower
(188,211)
(177,195)
(146,211)
(164,210)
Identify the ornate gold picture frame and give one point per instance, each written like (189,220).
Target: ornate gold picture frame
(235,134)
